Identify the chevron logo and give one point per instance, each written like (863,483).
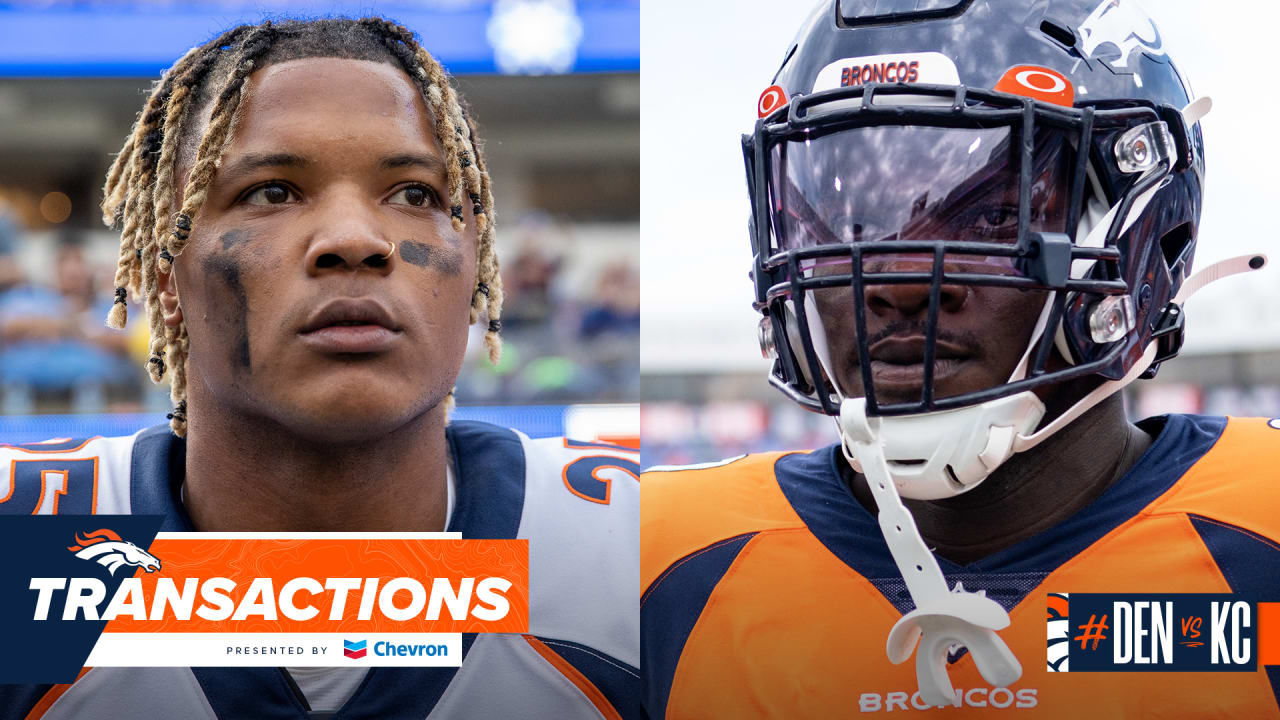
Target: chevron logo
(354,650)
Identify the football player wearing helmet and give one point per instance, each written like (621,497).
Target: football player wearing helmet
(307,215)
(962,255)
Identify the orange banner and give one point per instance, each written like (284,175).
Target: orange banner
(1268,633)
(329,585)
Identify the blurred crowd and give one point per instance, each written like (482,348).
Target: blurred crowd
(683,433)
(678,433)
(571,329)
(570,325)
(55,349)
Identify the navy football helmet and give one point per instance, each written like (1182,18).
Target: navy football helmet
(998,143)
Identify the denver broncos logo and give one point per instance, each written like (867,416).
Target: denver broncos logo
(1121,24)
(1059,624)
(110,550)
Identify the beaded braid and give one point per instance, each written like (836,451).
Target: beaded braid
(137,211)
(488,279)
(124,190)
(120,187)
(139,189)
(117,181)
(178,347)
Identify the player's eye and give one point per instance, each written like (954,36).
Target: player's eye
(999,216)
(415,195)
(995,222)
(270,194)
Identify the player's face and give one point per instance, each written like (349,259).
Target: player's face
(982,330)
(293,312)
(924,184)
(982,333)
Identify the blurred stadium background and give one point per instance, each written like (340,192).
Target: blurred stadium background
(705,392)
(555,87)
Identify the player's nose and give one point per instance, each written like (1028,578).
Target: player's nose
(349,237)
(905,300)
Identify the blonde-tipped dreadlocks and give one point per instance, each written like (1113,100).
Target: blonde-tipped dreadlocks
(140,186)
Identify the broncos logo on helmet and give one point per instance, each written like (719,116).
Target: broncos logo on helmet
(108,549)
(1123,25)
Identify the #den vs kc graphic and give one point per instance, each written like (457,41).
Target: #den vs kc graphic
(1187,632)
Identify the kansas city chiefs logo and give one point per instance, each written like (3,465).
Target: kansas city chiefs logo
(108,549)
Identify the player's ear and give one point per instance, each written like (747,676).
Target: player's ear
(168,293)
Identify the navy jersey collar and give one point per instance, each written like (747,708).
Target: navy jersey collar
(489,479)
(158,467)
(812,484)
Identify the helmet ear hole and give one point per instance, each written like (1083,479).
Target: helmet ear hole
(952,480)
(1058,32)
(1176,244)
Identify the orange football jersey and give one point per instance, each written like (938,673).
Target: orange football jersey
(769,591)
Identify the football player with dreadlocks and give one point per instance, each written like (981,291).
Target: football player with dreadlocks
(305,211)
(962,256)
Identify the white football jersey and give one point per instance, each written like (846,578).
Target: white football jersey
(576,503)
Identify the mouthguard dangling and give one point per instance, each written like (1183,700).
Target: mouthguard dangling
(942,617)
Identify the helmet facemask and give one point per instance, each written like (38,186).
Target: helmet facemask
(852,194)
